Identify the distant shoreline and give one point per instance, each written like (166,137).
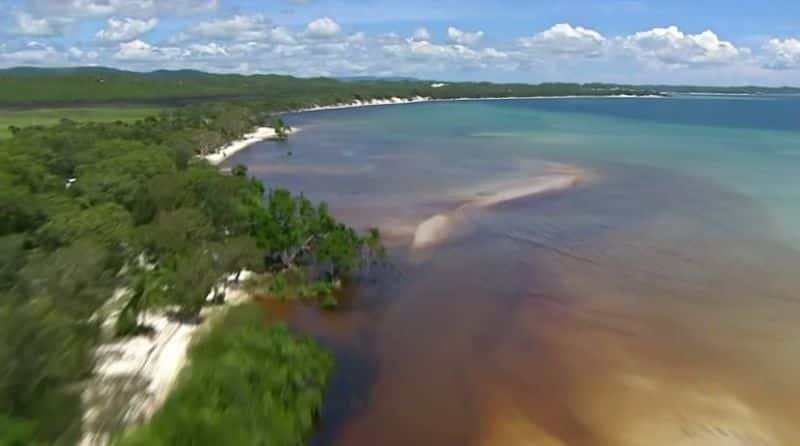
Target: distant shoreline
(267,133)
(425,99)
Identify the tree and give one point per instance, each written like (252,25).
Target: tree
(194,277)
(13,258)
(340,251)
(19,208)
(241,253)
(80,275)
(118,178)
(110,224)
(43,352)
(239,170)
(281,129)
(175,232)
(15,432)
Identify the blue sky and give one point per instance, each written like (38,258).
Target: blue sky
(639,41)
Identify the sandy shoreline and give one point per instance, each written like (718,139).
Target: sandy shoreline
(133,375)
(260,134)
(423,99)
(267,133)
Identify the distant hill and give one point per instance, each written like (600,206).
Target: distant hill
(28,86)
(378,78)
(700,89)
(60,72)
(750,89)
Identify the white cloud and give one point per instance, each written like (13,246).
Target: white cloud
(138,8)
(782,54)
(34,53)
(323,28)
(254,43)
(237,27)
(460,37)
(434,57)
(210,49)
(565,39)
(421,34)
(282,35)
(671,47)
(79,55)
(138,50)
(28,25)
(118,30)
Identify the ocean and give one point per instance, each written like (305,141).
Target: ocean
(583,271)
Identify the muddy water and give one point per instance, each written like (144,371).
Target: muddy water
(653,303)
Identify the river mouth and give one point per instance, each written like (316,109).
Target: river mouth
(645,306)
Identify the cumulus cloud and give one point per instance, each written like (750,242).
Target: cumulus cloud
(421,54)
(565,39)
(210,49)
(673,48)
(782,54)
(139,8)
(118,30)
(237,27)
(323,28)
(77,55)
(421,34)
(254,43)
(138,50)
(34,53)
(460,37)
(28,25)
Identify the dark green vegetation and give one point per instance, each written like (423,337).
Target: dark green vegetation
(51,116)
(247,384)
(28,86)
(86,209)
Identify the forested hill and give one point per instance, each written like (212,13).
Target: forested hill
(706,89)
(23,86)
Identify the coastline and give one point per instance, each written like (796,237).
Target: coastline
(268,133)
(425,99)
(258,135)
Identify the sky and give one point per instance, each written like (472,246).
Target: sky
(707,42)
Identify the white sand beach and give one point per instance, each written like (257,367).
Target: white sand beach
(260,134)
(419,99)
(368,103)
(134,375)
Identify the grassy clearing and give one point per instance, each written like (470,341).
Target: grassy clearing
(52,116)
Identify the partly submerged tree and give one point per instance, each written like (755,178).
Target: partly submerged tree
(281,129)
(239,170)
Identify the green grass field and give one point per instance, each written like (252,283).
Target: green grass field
(51,116)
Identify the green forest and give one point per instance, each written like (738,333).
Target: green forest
(90,208)
(51,86)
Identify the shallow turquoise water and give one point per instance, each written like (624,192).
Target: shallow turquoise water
(655,303)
